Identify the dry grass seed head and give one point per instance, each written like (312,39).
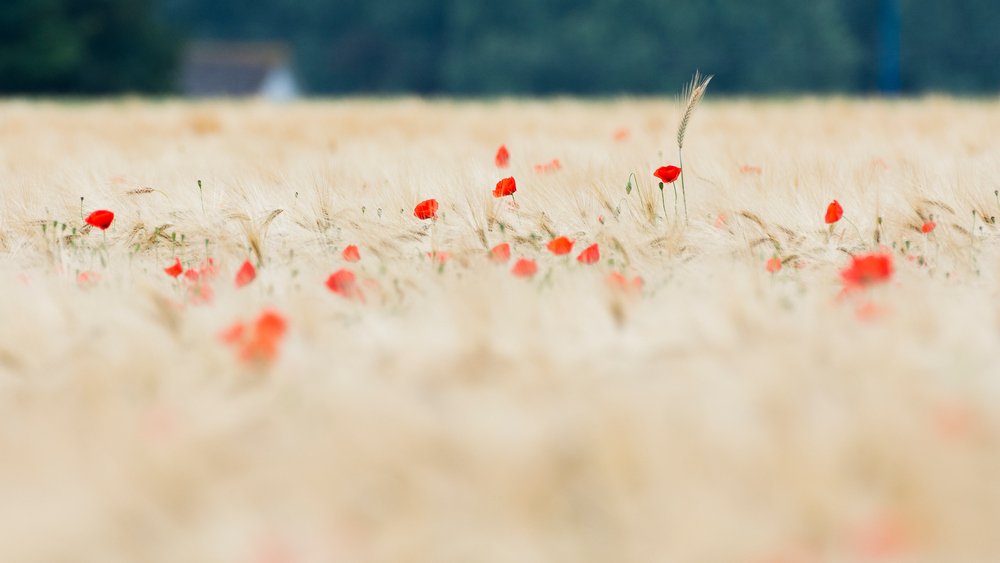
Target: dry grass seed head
(693,92)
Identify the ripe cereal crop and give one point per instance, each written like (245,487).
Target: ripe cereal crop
(326,331)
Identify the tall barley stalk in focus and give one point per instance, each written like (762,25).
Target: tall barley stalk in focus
(693,92)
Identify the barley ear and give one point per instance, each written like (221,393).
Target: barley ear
(693,92)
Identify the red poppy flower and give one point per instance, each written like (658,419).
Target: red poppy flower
(869,311)
(618,281)
(560,246)
(621,134)
(505,188)
(88,279)
(928,227)
(175,270)
(426,209)
(503,157)
(201,293)
(667,174)
(343,282)
(192,276)
(101,219)
(246,274)
(868,269)
(774,265)
(441,257)
(500,253)
(524,268)
(268,331)
(351,254)
(589,255)
(208,269)
(834,212)
(550,167)
(883,538)
(234,333)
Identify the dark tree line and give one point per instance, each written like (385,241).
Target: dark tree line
(487,47)
(84,47)
(611,46)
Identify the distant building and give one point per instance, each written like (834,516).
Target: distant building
(239,69)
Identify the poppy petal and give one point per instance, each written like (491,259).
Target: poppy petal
(503,157)
(246,274)
(667,174)
(176,269)
(560,246)
(590,255)
(351,254)
(524,268)
(426,209)
(101,219)
(834,212)
(500,253)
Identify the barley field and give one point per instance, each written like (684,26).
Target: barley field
(218,377)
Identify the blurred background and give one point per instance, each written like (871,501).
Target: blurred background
(288,48)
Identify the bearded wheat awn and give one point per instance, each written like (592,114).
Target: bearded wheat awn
(693,92)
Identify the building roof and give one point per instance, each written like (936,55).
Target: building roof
(238,69)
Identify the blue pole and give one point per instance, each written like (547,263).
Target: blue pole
(889,24)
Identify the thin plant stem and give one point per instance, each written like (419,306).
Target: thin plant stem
(674,184)
(202,193)
(106,252)
(857,231)
(972,231)
(516,210)
(680,161)
(664,200)
(434,231)
(630,176)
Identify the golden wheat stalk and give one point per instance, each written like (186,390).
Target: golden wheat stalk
(693,92)
(146,190)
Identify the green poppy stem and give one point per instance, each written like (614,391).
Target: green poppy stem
(674,184)
(680,161)
(663,199)
(972,231)
(857,231)
(630,176)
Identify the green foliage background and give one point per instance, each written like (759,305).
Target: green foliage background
(84,47)
(488,47)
